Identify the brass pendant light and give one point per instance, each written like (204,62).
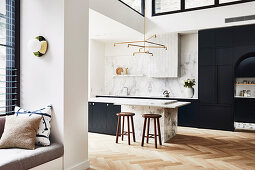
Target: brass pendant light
(146,44)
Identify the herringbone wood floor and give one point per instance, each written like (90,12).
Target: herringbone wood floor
(190,149)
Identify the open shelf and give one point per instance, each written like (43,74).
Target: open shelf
(241,84)
(242,97)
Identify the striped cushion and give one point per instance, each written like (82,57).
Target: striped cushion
(43,133)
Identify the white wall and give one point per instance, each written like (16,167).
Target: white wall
(60,77)
(76,84)
(97,67)
(42,79)
(199,19)
(119,12)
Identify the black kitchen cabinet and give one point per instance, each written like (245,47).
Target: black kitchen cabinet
(219,52)
(112,119)
(90,117)
(225,85)
(188,115)
(244,35)
(245,110)
(224,56)
(207,57)
(206,38)
(216,117)
(102,117)
(99,117)
(207,84)
(215,81)
(224,37)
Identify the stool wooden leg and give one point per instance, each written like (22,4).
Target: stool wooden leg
(128,130)
(133,128)
(159,134)
(122,129)
(144,127)
(118,128)
(148,130)
(155,133)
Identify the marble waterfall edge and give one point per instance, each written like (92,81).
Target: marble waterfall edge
(168,121)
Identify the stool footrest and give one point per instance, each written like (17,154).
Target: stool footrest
(151,136)
(125,133)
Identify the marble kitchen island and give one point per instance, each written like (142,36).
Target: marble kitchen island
(167,108)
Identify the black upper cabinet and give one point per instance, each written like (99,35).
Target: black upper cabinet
(224,56)
(225,85)
(206,56)
(207,38)
(243,35)
(207,84)
(223,37)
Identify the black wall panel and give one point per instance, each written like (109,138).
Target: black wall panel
(243,35)
(207,56)
(225,85)
(224,56)
(223,37)
(218,58)
(207,84)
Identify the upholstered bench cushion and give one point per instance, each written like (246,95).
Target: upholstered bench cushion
(21,159)
(2,123)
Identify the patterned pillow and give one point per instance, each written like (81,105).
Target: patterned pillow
(43,133)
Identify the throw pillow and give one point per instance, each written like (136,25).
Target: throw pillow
(43,133)
(2,122)
(20,132)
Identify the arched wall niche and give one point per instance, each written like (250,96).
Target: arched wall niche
(245,66)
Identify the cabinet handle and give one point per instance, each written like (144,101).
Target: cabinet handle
(93,104)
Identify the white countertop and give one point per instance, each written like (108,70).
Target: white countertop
(156,97)
(140,102)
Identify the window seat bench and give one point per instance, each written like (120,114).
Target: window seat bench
(21,159)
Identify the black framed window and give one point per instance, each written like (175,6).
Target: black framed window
(163,7)
(9,56)
(137,5)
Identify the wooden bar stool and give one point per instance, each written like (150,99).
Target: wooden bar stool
(156,121)
(125,114)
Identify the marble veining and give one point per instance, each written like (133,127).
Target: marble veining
(168,121)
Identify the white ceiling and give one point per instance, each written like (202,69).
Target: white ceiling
(105,29)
